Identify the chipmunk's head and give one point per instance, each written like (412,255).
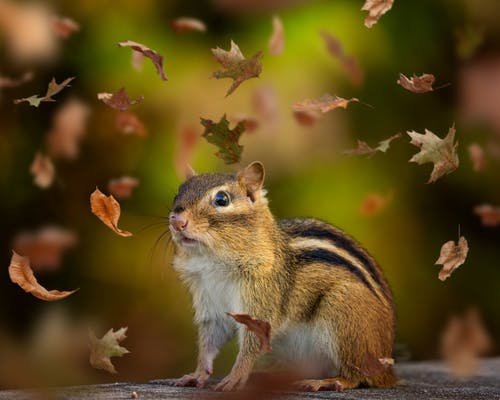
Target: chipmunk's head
(219,212)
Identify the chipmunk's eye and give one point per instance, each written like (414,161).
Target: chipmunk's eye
(221,199)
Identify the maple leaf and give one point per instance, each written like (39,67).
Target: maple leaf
(372,366)
(236,66)
(43,171)
(277,41)
(154,56)
(490,215)
(21,273)
(417,84)
(441,152)
(382,147)
(185,24)
(107,209)
(119,100)
(224,138)
(52,89)
(64,26)
(101,350)
(122,187)
(452,256)
(375,8)
(325,103)
(262,329)
(477,157)
(6,82)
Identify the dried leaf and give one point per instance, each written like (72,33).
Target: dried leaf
(265,103)
(43,171)
(417,84)
(130,124)
(463,340)
(490,215)
(52,89)
(21,273)
(374,203)
(184,24)
(376,9)
(277,41)
(325,103)
(382,147)
(122,187)
(64,26)
(107,209)
(224,138)
(441,152)
(236,66)
(6,82)
(251,124)
(262,329)
(477,157)
(452,256)
(306,118)
(154,56)
(186,143)
(119,100)
(101,350)
(137,60)
(372,366)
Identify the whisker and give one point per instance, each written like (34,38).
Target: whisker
(151,226)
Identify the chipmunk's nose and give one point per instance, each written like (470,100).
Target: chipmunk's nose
(178,221)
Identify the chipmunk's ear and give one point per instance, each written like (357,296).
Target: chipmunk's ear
(252,178)
(189,172)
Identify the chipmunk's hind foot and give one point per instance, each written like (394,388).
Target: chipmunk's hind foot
(337,384)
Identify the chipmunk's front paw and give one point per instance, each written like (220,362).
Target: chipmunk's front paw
(192,380)
(231,382)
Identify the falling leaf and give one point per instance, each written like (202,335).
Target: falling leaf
(376,9)
(224,138)
(119,100)
(477,157)
(441,152)
(236,66)
(45,246)
(101,350)
(277,41)
(306,118)
(382,147)
(374,203)
(349,63)
(137,60)
(107,209)
(490,215)
(417,84)
(43,171)
(65,26)
(129,124)
(69,125)
(186,143)
(261,329)
(6,82)
(21,273)
(52,89)
(154,56)
(325,103)
(251,124)
(265,103)
(463,340)
(372,366)
(184,24)
(122,187)
(452,256)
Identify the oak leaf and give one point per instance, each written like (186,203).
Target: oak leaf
(236,66)
(64,26)
(184,24)
(490,215)
(21,273)
(441,152)
(154,56)
(43,171)
(101,350)
(262,329)
(452,256)
(325,103)
(130,124)
(382,147)
(224,138)
(477,157)
(375,8)
(119,100)
(277,41)
(107,209)
(417,84)
(52,89)
(122,187)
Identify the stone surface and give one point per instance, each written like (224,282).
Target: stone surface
(422,380)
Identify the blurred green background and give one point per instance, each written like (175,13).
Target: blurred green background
(129,281)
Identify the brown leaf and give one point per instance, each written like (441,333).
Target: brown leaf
(119,100)
(101,350)
(265,103)
(122,187)
(463,340)
(45,246)
(129,124)
(154,56)
(43,171)
(52,89)
(306,118)
(325,103)
(64,26)
(490,215)
(382,147)
(477,157)
(277,41)
(107,209)
(441,152)
(417,84)
(226,140)
(452,256)
(372,366)
(20,272)
(137,60)
(376,9)
(261,329)
(185,24)
(186,142)
(236,66)
(6,82)
(251,124)
(374,203)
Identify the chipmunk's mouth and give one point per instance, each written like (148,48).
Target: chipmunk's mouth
(187,241)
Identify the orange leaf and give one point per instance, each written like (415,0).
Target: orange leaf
(490,216)
(107,209)
(325,103)
(184,24)
(452,256)
(122,187)
(261,329)
(417,84)
(101,350)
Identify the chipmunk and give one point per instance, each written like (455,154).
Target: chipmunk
(324,296)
